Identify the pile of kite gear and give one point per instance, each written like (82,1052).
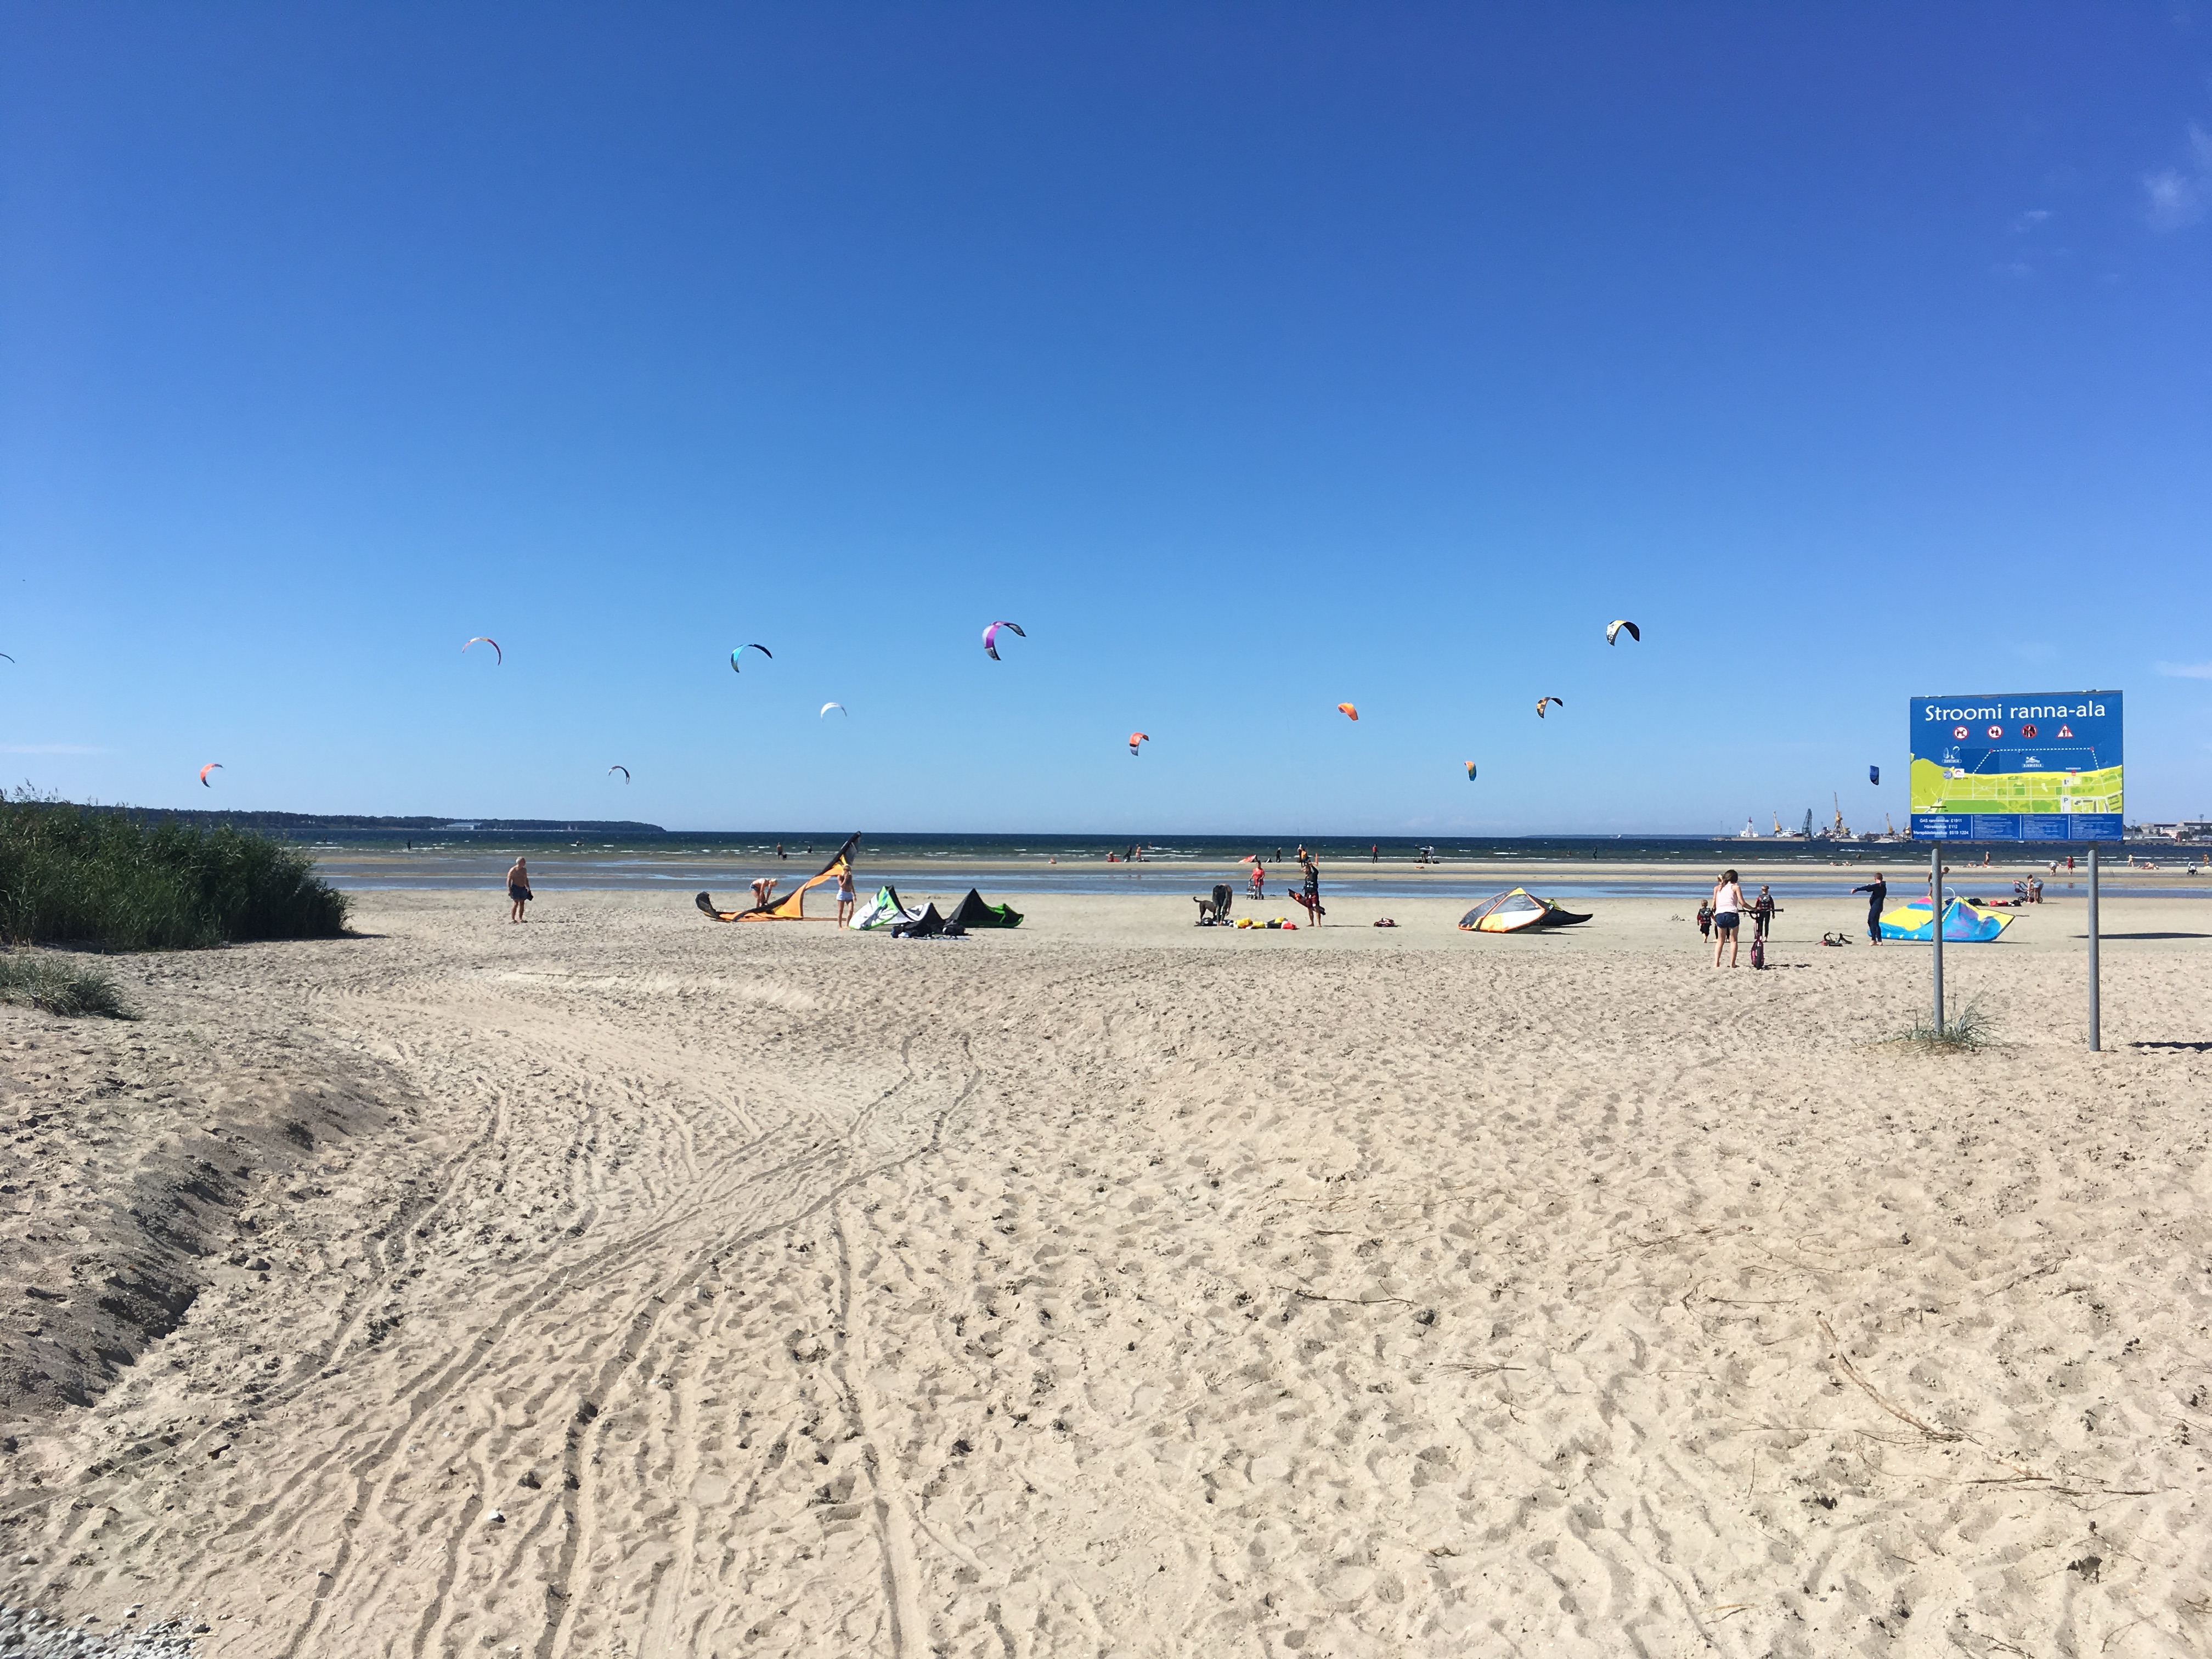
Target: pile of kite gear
(1519,911)
(1965,922)
(792,906)
(888,913)
(1835,938)
(928,924)
(1214,912)
(1272,921)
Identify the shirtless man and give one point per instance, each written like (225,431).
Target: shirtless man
(518,889)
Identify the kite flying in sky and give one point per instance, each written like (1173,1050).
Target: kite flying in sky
(1540,701)
(498,656)
(762,649)
(839,707)
(1470,771)
(3,653)
(1613,633)
(624,770)
(212,766)
(1874,775)
(991,638)
(1348,711)
(1135,738)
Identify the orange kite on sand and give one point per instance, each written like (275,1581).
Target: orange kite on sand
(789,908)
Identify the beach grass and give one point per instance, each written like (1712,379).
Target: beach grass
(121,882)
(1960,1033)
(40,979)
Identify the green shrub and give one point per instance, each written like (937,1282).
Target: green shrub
(108,879)
(59,986)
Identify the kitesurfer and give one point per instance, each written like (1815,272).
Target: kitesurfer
(518,889)
(1312,899)
(763,890)
(1877,892)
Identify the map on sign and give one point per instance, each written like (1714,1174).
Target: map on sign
(2041,766)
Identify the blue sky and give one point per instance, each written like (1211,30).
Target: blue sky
(1253,358)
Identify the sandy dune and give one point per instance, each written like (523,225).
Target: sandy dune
(650,1287)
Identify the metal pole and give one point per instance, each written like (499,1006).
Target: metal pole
(2094,1034)
(1935,924)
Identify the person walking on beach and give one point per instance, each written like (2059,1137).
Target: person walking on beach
(1728,915)
(518,890)
(1259,880)
(1704,918)
(1312,900)
(1375,853)
(1877,892)
(845,894)
(1762,912)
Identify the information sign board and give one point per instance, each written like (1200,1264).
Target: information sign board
(2041,766)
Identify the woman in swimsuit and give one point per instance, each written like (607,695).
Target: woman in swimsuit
(1728,911)
(518,890)
(844,896)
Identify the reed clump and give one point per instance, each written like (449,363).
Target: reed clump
(41,979)
(1959,1033)
(107,878)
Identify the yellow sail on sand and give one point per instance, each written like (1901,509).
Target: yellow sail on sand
(1965,922)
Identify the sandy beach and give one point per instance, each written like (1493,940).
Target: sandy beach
(626,1285)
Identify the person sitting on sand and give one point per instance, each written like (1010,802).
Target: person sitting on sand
(1728,912)
(518,889)
(845,896)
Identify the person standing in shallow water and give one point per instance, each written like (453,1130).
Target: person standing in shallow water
(1877,892)
(518,890)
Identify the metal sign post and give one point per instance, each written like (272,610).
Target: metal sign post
(2094,1034)
(2031,766)
(1935,926)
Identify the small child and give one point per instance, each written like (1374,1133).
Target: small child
(1704,918)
